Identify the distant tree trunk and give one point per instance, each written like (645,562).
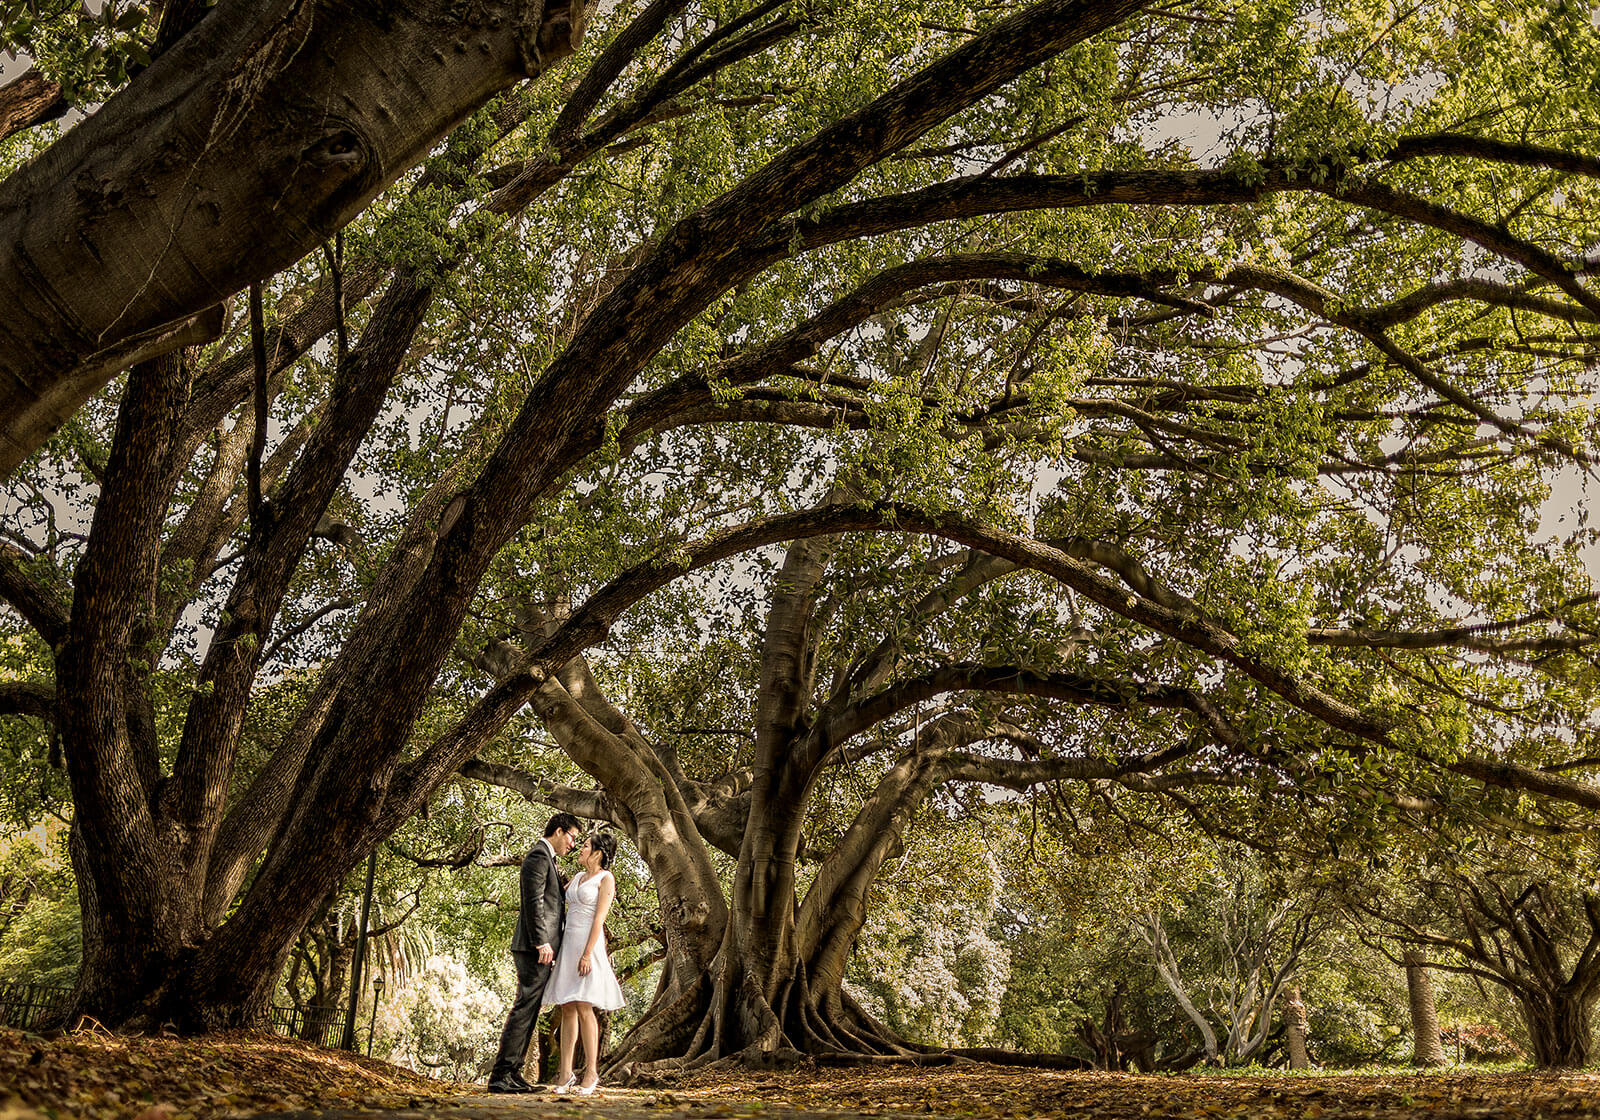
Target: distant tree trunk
(1294,1013)
(1149,926)
(321,959)
(1424,1016)
(1113,1045)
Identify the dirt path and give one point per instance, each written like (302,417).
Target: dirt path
(611,1105)
(990,1093)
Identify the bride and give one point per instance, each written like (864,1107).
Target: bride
(583,979)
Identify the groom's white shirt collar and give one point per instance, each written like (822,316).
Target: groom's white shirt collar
(545,840)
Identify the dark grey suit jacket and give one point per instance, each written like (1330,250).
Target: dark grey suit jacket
(544,904)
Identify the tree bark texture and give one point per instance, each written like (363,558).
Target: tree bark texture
(1294,1014)
(260,132)
(1429,1050)
(29,99)
(1561,1028)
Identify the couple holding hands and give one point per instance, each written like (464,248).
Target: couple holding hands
(560,952)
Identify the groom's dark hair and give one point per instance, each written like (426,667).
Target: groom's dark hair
(561,822)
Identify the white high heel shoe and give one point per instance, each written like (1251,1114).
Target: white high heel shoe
(566,1085)
(588,1090)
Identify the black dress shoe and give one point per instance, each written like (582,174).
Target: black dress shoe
(509,1084)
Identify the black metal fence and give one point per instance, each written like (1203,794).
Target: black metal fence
(322,1025)
(26,1006)
(29,1006)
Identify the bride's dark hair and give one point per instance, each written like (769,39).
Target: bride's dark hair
(606,844)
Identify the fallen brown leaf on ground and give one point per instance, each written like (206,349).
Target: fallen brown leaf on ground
(94,1075)
(974,1090)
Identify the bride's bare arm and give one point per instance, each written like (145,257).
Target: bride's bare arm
(608,890)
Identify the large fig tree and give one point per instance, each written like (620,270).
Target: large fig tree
(1260,416)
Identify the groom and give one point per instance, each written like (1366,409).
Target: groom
(533,948)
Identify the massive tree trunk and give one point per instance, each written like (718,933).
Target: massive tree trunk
(259,133)
(141,910)
(1560,1026)
(1424,1016)
(774,991)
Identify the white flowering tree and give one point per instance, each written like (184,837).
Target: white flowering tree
(442,1022)
(928,962)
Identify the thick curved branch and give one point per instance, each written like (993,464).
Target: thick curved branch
(27,100)
(28,698)
(873,670)
(1475,636)
(39,607)
(1426,145)
(465,854)
(1489,292)
(1388,200)
(592,621)
(588,804)
(885,290)
(1515,776)
(834,908)
(1074,688)
(343,603)
(1021,775)
(83,277)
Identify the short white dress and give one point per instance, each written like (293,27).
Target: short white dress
(600,987)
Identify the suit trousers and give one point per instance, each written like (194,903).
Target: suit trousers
(531,979)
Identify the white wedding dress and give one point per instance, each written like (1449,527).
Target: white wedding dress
(600,986)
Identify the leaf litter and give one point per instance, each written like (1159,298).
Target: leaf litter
(94,1075)
(978,1090)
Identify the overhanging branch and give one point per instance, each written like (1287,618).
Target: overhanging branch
(36,603)
(579,802)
